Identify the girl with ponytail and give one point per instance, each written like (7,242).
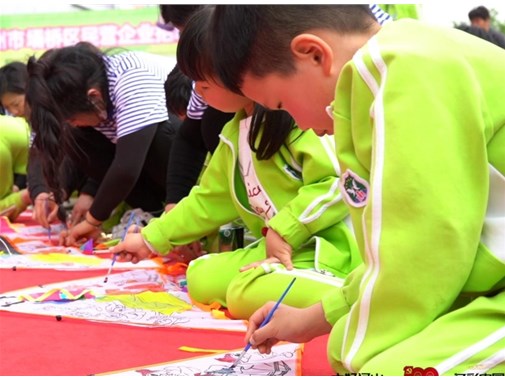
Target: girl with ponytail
(107,113)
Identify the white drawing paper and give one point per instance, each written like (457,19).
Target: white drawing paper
(282,361)
(104,308)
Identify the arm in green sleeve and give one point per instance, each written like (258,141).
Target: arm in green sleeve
(318,203)
(204,210)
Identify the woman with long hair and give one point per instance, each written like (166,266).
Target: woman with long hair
(75,90)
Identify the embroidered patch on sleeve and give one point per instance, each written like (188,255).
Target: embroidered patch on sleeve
(354,188)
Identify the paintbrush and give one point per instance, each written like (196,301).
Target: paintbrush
(47,210)
(265,321)
(130,220)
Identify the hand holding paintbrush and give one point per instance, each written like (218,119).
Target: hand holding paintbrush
(265,321)
(285,323)
(130,221)
(132,248)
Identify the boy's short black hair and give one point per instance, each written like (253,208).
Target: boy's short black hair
(479,12)
(257,38)
(178,88)
(177,15)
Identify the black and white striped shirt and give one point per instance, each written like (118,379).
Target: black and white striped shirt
(381,16)
(136,90)
(196,106)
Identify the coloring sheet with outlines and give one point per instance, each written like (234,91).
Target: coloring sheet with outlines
(25,247)
(21,230)
(284,360)
(51,258)
(139,297)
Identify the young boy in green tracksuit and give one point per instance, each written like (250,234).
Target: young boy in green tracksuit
(419,124)
(14,143)
(285,181)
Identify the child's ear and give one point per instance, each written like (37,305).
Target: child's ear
(96,99)
(314,49)
(94,93)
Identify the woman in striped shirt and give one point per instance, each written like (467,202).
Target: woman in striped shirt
(121,96)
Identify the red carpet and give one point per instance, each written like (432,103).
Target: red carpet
(42,346)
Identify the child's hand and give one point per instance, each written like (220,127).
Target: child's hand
(256,264)
(13,211)
(170,206)
(287,324)
(81,207)
(79,233)
(132,248)
(44,209)
(277,247)
(188,252)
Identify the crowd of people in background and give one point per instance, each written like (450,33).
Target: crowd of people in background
(362,149)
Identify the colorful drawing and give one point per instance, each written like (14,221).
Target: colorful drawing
(143,297)
(161,302)
(284,360)
(24,246)
(72,260)
(21,230)
(57,295)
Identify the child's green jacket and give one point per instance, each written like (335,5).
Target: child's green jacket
(301,180)
(419,118)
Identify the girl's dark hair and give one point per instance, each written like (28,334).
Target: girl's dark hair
(57,89)
(193,55)
(270,127)
(13,78)
(178,89)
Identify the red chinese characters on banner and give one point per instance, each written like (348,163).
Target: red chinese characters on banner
(104,35)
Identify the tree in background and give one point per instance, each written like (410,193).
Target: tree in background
(495,23)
